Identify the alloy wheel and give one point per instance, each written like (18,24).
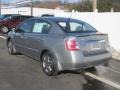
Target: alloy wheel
(4,29)
(48,64)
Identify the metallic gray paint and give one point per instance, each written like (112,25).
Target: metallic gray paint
(32,44)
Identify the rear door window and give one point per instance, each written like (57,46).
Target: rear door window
(41,27)
(63,25)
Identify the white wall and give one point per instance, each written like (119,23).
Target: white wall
(27,11)
(104,22)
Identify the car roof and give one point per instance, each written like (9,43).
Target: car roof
(22,15)
(17,15)
(10,14)
(59,19)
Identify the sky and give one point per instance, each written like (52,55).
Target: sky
(41,0)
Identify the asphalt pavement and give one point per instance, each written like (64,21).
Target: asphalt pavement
(19,72)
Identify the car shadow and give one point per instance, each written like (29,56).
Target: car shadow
(91,84)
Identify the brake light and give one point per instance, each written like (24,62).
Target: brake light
(71,44)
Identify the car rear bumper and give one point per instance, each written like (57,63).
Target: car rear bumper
(78,61)
(86,65)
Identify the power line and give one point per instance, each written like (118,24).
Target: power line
(17,4)
(10,4)
(19,1)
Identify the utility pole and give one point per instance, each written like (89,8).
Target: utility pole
(94,5)
(0,7)
(31,7)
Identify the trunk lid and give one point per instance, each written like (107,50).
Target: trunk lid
(92,43)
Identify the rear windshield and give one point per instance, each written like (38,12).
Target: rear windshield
(76,27)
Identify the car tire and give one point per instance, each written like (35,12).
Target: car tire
(11,48)
(4,29)
(48,64)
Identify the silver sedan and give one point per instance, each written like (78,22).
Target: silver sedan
(60,43)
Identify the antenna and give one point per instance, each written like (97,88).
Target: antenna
(70,16)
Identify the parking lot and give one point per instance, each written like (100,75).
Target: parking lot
(20,72)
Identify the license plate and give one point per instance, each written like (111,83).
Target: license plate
(94,46)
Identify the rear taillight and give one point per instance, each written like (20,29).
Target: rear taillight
(71,44)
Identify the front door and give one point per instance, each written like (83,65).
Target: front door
(36,40)
(22,34)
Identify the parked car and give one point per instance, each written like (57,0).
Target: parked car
(60,44)
(11,21)
(47,15)
(3,16)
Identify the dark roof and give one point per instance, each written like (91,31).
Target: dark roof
(16,15)
(60,19)
(10,14)
(57,18)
